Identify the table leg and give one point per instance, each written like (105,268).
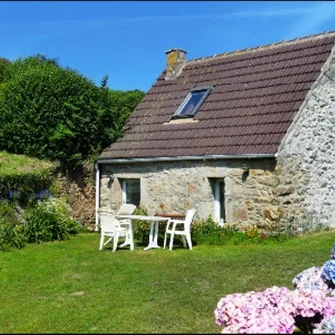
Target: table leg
(156,234)
(153,236)
(129,240)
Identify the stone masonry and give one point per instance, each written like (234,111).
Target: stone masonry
(173,187)
(79,190)
(306,159)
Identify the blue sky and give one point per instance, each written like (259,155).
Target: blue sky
(127,39)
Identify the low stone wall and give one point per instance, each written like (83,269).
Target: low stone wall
(79,190)
(173,187)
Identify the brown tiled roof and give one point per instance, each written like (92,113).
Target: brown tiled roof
(256,95)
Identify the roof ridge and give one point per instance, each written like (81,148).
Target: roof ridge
(264,47)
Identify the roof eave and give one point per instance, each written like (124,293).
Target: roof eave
(182,158)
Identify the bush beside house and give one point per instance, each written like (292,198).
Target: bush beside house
(28,210)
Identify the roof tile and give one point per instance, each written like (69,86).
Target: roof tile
(255,98)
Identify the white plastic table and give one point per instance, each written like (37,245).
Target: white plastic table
(153,234)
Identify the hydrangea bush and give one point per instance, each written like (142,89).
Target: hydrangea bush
(276,310)
(326,326)
(310,279)
(328,273)
(310,308)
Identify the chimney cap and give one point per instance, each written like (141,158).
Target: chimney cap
(175,49)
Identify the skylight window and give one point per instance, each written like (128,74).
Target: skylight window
(192,102)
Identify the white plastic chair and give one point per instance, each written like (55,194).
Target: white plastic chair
(185,230)
(125,209)
(113,228)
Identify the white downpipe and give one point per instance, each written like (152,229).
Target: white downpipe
(184,158)
(97,195)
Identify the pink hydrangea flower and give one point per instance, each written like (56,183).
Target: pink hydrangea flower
(271,311)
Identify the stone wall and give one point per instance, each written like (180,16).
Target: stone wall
(79,190)
(306,159)
(173,187)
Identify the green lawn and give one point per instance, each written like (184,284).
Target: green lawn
(71,287)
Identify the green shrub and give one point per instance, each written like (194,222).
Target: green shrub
(208,232)
(141,227)
(12,232)
(50,220)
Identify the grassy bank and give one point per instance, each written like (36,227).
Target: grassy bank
(19,164)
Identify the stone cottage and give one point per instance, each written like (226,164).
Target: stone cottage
(246,137)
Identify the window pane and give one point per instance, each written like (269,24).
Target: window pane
(133,192)
(192,103)
(222,202)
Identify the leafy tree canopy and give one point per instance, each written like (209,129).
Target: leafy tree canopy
(123,103)
(47,111)
(4,64)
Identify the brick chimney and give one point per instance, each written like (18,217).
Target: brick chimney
(175,61)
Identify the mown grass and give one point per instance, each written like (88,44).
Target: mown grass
(15,164)
(71,287)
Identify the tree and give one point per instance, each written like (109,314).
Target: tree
(104,81)
(4,64)
(47,111)
(123,103)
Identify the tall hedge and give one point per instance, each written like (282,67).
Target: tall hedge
(47,111)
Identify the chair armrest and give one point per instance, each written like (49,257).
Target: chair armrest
(174,223)
(125,222)
(177,221)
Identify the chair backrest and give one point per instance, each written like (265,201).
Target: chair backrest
(126,209)
(189,218)
(108,222)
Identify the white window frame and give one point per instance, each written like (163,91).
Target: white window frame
(124,188)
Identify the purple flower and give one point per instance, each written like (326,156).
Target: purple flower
(326,326)
(332,254)
(328,272)
(14,194)
(310,279)
(43,194)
